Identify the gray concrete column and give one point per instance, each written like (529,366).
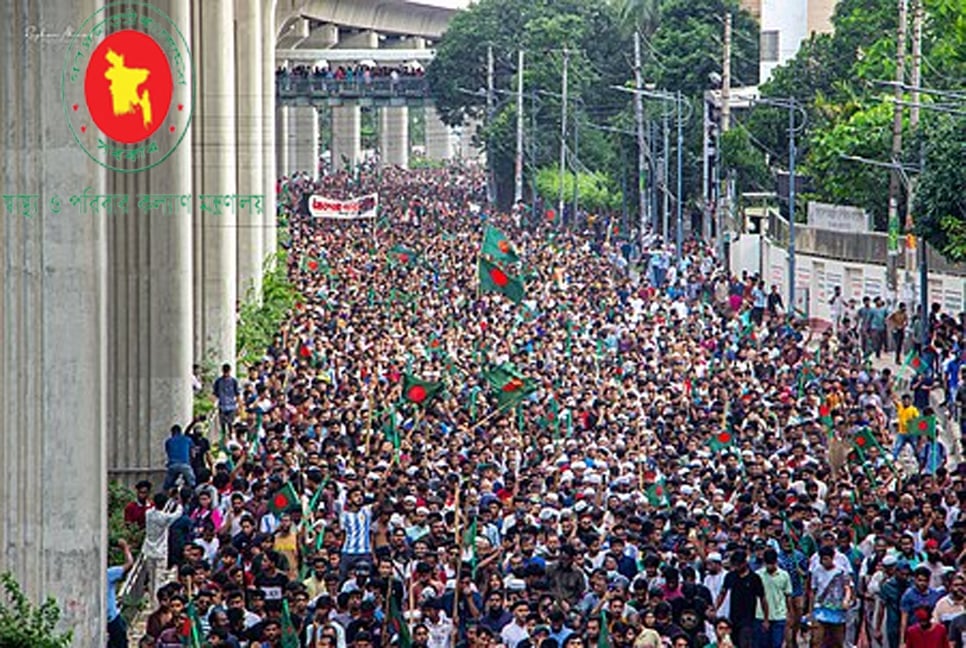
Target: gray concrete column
(283,118)
(394,135)
(270,170)
(305,137)
(346,136)
(215,231)
(365,39)
(53,331)
(439,137)
(250,130)
(150,308)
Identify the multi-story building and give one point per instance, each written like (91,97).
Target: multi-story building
(784,25)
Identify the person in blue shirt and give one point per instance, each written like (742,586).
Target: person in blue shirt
(178,450)
(227,391)
(116,626)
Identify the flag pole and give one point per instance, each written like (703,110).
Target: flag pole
(457,519)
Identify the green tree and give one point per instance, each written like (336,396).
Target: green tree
(544,30)
(940,207)
(686,47)
(25,625)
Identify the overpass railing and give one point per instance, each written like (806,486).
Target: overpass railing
(326,88)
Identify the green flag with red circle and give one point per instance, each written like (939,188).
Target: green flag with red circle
(509,384)
(721,440)
(923,426)
(494,278)
(863,440)
(498,247)
(284,499)
(657,494)
(420,392)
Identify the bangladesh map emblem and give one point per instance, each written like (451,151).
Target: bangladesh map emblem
(128,86)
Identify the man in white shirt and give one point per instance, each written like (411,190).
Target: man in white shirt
(516,631)
(156,524)
(714,579)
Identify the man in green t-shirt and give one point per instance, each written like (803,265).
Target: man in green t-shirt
(778,591)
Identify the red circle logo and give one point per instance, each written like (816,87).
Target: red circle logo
(860,441)
(280,501)
(724,437)
(416,393)
(128,86)
(923,426)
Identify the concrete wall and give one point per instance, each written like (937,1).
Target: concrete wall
(790,19)
(854,262)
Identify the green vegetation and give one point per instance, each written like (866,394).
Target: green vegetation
(682,45)
(843,81)
(593,189)
(25,625)
(258,321)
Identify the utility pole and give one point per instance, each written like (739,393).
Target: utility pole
(639,119)
(679,229)
(491,179)
(563,133)
(920,247)
(791,206)
(894,179)
(721,206)
(726,76)
(666,179)
(518,178)
(574,156)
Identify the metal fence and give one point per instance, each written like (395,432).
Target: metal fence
(325,88)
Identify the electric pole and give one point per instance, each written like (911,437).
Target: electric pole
(894,179)
(639,119)
(665,180)
(518,178)
(574,156)
(726,76)
(563,133)
(919,246)
(679,229)
(722,207)
(491,179)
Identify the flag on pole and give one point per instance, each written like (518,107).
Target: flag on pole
(420,392)
(290,637)
(498,247)
(721,440)
(923,426)
(397,622)
(402,255)
(656,494)
(493,278)
(284,499)
(510,385)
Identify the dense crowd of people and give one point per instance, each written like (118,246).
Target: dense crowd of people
(675,461)
(358,72)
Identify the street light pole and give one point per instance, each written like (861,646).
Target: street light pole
(563,134)
(791,205)
(518,171)
(679,229)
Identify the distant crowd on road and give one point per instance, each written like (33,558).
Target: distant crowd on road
(489,430)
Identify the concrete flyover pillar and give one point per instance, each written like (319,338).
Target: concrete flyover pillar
(150,308)
(305,132)
(249,132)
(270,169)
(346,136)
(53,330)
(394,135)
(215,228)
(283,119)
(439,137)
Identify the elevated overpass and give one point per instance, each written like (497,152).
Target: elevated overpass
(345,33)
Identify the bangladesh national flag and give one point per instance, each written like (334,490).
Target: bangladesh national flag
(864,440)
(290,636)
(917,364)
(190,630)
(656,494)
(721,440)
(493,278)
(498,247)
(825,415)
(510,385)
(603,639)
(420,392)
(923,426)
(398,625)
(311,263)
(402,255)
(285,499)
